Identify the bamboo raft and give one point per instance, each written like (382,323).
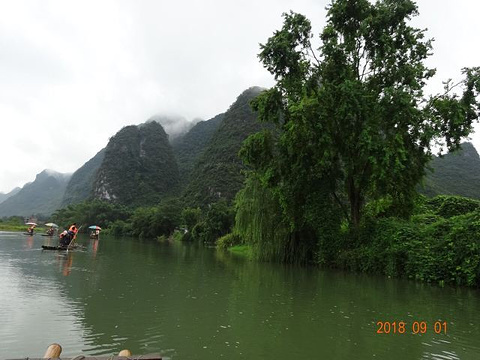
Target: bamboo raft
(54,351)
(60,248)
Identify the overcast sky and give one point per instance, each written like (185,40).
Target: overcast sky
(73,73)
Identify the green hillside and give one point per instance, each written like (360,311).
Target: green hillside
(42,196)
(456,173)
(80,186)
(218,171)
(189,148)
(139,167)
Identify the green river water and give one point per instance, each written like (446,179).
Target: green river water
(186,301)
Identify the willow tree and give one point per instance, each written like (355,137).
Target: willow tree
(353,115)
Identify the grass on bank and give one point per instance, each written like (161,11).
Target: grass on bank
(243,250)
(12,227)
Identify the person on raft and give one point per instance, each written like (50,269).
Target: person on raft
(50,231)
(67,236)
(30,229)
(94,234)
(63,234)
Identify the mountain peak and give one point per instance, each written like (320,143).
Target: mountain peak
(42,196)
(52,173)
(174,125)
(138,167)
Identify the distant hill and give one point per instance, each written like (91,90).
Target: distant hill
(4,196)
(456,173)
(80,186)
(189,148)
(138,168)
(42,196)
(218,172)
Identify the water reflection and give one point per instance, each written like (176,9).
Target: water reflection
(29,242)
(95,247)
(65,260)
(437,349)
(31,300)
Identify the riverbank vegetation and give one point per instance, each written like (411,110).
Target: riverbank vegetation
(94,212)
(440,243)
(17,224)
(13,223)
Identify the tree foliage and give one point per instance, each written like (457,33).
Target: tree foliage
(191,217)
(217,222)
(151,222)
(87,213)
(259,222)
(353,117)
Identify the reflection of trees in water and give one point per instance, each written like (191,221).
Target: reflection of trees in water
(334,314)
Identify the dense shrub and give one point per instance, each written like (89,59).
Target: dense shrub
(119,228)
(156,221)
(428,248)
(229,240)
(216,222)
(425,219)
(381,249)
(191,217)
(448,206)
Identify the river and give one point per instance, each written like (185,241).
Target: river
(187,301)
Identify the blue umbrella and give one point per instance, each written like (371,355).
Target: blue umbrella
(95,227)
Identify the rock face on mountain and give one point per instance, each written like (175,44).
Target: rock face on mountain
(42,196)
(4,196)
(139,167)
(80,186)
(218,172)
(190,147)
(456,173)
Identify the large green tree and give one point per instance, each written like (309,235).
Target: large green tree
(353,116)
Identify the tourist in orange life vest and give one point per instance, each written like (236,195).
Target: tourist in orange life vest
(72,231)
